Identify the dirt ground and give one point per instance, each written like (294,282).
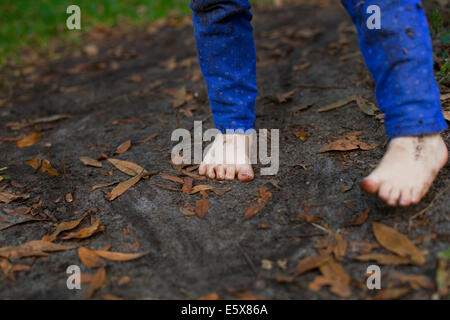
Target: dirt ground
(125,91)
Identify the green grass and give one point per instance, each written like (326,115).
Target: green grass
(35,22)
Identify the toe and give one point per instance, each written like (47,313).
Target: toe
(211,172)
(245,173)
(370,184)
(384,192)
(220,171)
(202,169)
(405,199)
(416,195)
(394,196)
(231,172)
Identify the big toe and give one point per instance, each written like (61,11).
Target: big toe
(370,184)
(245,173)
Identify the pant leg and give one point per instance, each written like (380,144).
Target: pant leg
(399,56)
(226,52)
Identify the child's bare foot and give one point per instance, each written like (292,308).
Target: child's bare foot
(227,157)
(407,170)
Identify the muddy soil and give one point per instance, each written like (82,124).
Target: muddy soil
(191,257)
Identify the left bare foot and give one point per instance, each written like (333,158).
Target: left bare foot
(407,170)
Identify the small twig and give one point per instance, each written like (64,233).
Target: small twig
(421,212)
(249,261)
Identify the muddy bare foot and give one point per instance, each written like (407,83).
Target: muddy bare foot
(407,170)
(228,157)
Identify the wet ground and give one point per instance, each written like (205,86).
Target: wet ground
(311,50)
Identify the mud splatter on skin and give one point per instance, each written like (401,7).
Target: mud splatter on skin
(419,148)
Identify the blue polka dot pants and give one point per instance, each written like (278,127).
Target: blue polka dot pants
(398,55)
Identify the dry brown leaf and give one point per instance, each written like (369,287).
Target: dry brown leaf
(27,123)
(124,186)
(104,185)
(381,258)
(32,248)
(89,258)
(338,104)
(29,140)
(68,197)
(311,262)
(252,211)
(86,232)
(361,219)
(340,245)
(363,247)
(392,294)
(91,162)
(211,296)
(398,243)
(265,195)
(63,226)
(447,115)
(246,295)
(127,167)
(124,280)
(43,166)
(96,282)
(119,256)
(123,147)
(134,78)
(348,143)
(8,197)
(286,96)
(166,176)
(416,281)
(201,207)
(9,269)
(187,186)
(334,275)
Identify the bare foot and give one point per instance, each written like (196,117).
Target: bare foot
(407,170)
(228,157)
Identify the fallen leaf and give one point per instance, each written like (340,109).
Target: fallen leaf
(187,186)
(124,280)
(124,186)
(43,166)
(416,281)
(29,140)
(348,143)
(134,78)
(127,167)
(284,97)
(447,115)
(398,243)
(334,275)
(91,162)
(338,104)
(201,207)
(9,269)
(366,106)
(86,232)
(311,262)
(104,185)
(166,176)
(119,256)
(362,218)
(392,294)
(63,226)
(381,258)
(265,195)
(96,282)
(32,248)
(211,296)
(252,211)
(123,147)
(89,258)
(69,198)
(27,123)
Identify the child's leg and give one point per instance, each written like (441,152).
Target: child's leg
(399,56)
(226,52)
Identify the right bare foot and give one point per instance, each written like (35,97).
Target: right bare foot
(228,157)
